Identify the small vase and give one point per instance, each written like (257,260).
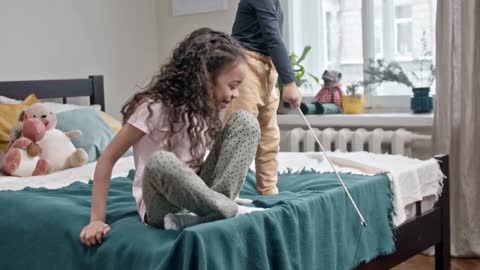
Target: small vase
(421,102)
(353,104)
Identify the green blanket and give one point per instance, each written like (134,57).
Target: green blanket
(311,225)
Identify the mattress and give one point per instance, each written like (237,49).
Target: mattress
(411,179)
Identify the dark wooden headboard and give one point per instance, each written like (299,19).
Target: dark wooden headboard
(89,87)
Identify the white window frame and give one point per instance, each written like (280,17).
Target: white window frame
(397,22)
(397,102)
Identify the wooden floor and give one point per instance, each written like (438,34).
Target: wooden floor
(422,262)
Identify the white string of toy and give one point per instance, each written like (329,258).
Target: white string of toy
(335,170)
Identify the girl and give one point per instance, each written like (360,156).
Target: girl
(170,125)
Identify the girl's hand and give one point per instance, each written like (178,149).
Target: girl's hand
(93,233)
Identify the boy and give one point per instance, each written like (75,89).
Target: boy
(258,28)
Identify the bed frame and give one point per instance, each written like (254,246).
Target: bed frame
(89,87)
(431,228)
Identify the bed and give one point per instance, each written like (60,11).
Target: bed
(426,228)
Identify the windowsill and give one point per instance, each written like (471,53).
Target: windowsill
(407,120)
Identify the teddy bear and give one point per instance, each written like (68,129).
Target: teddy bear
(329,99)
(23,157)
(56,146)
(331,91)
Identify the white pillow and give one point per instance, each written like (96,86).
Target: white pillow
(59,107)
(6,100)
(53,106)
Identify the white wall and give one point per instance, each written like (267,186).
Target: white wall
(173,29)
(53,39)
(124,40)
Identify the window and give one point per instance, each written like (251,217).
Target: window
(346,34)
(403,30)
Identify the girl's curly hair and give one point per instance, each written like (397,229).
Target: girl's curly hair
(184,86)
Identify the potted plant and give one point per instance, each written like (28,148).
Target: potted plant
(300,79)
(421,102)
(354,100)
(381,71)
(378,71)
(419,81)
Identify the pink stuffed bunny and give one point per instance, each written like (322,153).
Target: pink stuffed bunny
(23,156)
(57,147)
(53,148)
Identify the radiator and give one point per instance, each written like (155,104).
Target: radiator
(398,142)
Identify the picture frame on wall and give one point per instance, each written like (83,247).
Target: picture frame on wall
(187,7)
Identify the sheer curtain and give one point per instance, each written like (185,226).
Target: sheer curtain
(457,116)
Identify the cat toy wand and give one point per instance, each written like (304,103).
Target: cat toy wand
(333,167)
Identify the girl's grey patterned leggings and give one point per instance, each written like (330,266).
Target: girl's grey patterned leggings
(170,186)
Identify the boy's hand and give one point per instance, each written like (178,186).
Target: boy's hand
(292,95)
(93,233)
